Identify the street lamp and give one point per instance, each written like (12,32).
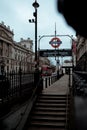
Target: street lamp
(35,5)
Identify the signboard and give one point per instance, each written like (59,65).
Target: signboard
(55,42)
(52,53)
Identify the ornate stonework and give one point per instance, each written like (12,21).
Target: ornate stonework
(4,35)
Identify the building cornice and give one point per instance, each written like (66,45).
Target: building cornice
(6,28)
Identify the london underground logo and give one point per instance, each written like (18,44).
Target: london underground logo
(55,42)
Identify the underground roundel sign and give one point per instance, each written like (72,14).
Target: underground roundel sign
(55,42)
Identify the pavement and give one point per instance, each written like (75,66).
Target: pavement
(16,119)
(58,87)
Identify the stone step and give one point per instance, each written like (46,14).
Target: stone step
(53,95)
(48,113)
(48,118)
(46,128)
(52,98)
(48,124)
(51,101)
(53,105)
(50,109)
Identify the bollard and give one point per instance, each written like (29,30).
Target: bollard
(46,82)
(43,83)
(49,81)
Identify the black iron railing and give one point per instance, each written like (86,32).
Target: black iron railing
(80,97)
(80,83)
(15,87)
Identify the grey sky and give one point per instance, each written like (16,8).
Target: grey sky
(15,13)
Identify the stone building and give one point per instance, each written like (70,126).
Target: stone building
(81,53)
(14,55)
(74,43)
(6,44)
(24,54)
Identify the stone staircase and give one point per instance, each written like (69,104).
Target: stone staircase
(48,113)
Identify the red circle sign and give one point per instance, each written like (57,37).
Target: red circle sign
(55,42)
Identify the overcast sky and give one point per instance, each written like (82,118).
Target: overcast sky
(15,13)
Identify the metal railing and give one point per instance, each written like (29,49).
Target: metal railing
(69,104)
(37,90)
(18,87)
(78,88)
(80,83)
(15,87)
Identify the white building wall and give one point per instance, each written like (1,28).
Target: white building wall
(14,53)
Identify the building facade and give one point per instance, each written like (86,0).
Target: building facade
(14,55)
(81,53)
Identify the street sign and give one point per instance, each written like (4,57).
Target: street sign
(55,42)
(52,53)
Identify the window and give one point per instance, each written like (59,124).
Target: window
(7,68)
(7,61)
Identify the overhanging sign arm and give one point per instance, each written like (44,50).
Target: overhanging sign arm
(40,37)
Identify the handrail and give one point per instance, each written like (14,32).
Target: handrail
(20,125)
(71,106)
(81,72)
(67,105)
(68,102)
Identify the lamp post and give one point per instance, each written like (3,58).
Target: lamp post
(35,5)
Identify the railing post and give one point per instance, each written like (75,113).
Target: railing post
(1,88)
(69,77)
(20,76)
(36,77)
(49,81)
(46,82)
(43,83)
